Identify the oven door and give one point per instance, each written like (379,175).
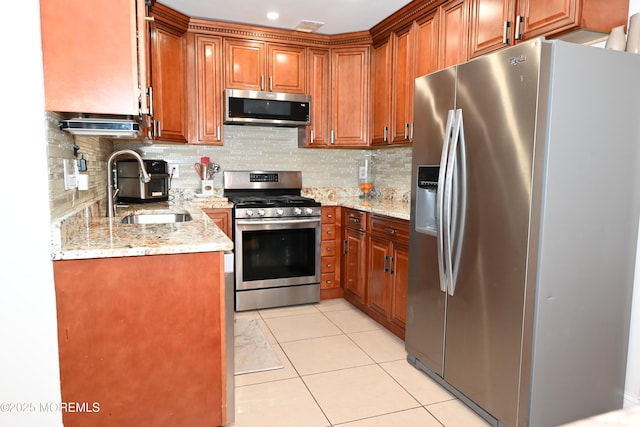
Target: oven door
(277,252)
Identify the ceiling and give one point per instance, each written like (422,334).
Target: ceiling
(338,16)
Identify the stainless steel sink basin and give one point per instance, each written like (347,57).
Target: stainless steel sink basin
(156,218)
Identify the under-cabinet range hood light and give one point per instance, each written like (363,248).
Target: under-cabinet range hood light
(113,128)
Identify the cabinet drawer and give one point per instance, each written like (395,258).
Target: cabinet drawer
(390,227)
(328,214)
(355,219)
(328,232)
(328,264)
(328,248)
(328,281)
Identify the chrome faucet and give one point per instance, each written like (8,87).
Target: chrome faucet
(111,195)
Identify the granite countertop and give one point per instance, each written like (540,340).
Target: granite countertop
(83,236)
(102,237)
(392,208)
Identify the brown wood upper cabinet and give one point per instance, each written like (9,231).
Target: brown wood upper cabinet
(434,41)
(255,65)
(91,66)
(168,99)
(392,75)
(349,96)
(499,23)
(339,88)
(206,122)
(318,84)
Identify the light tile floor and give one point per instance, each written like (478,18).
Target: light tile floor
(340,368)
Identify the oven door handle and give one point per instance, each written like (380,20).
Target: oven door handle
(277,221)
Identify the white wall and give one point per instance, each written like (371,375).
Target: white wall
(632,386)
(29,371)
(28,339)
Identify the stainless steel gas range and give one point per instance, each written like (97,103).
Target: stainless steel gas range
(277,235)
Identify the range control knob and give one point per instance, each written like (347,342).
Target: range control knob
(297,211)
(279,212)
(308,211)
(261,212)
(249,213)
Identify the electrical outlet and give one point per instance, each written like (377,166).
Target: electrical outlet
(174,169)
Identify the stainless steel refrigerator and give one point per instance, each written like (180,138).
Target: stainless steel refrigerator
(524,217)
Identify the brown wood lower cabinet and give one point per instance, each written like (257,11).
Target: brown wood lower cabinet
(354,256)
(222,218)
(330,254)
(388,275)
(376,267)
(143,338)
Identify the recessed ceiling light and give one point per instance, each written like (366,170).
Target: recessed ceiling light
(273,15)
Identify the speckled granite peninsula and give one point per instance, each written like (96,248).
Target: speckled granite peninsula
(90,234)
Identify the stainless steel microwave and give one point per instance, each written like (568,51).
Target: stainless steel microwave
(250,107)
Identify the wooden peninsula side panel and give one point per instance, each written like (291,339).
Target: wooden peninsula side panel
(143,337)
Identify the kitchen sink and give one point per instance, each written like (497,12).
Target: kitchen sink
(156,218)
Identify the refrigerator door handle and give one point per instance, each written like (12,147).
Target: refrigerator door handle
(440,205)
(458,166)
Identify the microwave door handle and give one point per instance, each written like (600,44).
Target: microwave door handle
(440,217)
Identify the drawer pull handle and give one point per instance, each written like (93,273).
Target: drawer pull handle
(329,248)
(329,232)
(329,215)
(329,265)
(328,282)
(390,230)
(353,219)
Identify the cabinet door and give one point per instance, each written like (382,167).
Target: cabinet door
(90,65)
(453,34)
(426,45)
(399,276)
(491,25)
(544,17)
(381,93)
(402,87)
(318,74)
(244,64)
(287,69)
(168,77)
(350,96)
(209,103)
(378,295)
(354,263)
(222,218)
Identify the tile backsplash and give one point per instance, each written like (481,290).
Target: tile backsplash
(245,147)
(266,148)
